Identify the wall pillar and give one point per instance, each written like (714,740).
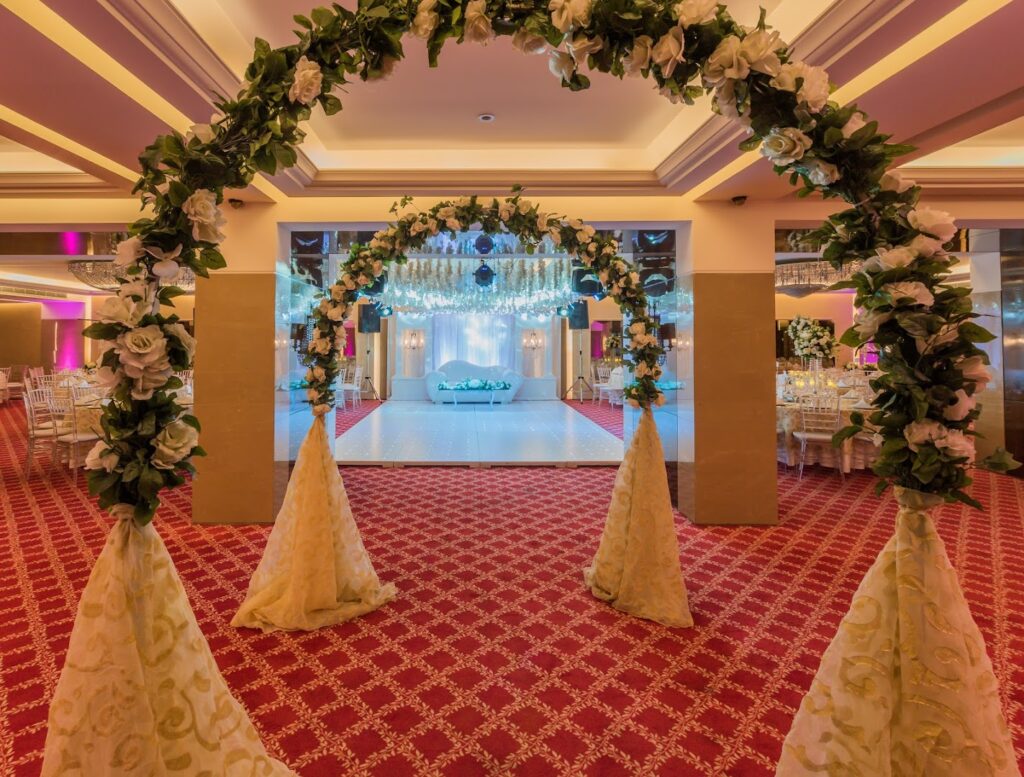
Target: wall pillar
(726,427)
(241,479)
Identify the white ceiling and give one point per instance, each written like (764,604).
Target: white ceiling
(16,158)
(424,118)
(999,147)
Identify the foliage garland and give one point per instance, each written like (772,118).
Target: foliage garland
(931,365)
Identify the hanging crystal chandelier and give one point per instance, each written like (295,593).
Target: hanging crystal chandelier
(102,274)
(800,279)
(450,284)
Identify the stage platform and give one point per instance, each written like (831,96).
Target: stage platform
(520,433)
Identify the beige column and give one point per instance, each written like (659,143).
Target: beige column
(235,376)
(727,470)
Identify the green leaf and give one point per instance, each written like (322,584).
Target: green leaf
(322,16)
(975,334)
(192,421)
(101,331)
(845,434)
(331,104)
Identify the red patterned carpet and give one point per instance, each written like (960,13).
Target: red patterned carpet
(604,415)
(346,419)
(495,660)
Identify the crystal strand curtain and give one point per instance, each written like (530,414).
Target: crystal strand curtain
(480,339)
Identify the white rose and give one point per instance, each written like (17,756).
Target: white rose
(815,87)
(566,14)
(307,82)
(426,19)
(319,374)
(914,291)
(336,313)
(312,395)
(822,173)
(691,12)
(974,369)
(120,310)
(785,146)
(320,345)
(957,444)
(901,256)
(639,58)
(867,322)
(174,443)
(525,206)
(660,399)
(641,370)
(383,71)
(668,51)
(726,62)
(542,221)
(506,210)
(892,181)
(101,456)
(759,50)
(129,251)
(925,246)
(854,123)
(166,269)
(144,386)
(187,341)
(528,42)
(581,47)
(918,433)
(561,64)
(477,27)
(453,224)
(337,292)
(935,223)
(960,408)
(726,102)
(637,328)
(201,209)
(204,132)
(671,95)
(142,351)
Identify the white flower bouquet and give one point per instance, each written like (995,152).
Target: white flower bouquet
(810,339)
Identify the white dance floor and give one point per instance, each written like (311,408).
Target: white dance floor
(519,433)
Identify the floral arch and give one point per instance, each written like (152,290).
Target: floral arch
(516,216)
(931,367)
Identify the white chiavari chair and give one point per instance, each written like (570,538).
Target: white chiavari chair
(819,420)
(602,374)
(42,427)
(77,422)
(613,390)
(354,387)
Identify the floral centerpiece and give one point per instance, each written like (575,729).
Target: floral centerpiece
(475,384)
(810,339)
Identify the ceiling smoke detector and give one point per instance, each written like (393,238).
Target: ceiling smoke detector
(486,118)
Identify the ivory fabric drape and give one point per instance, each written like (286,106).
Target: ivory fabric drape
(315,570)
(906,688)
(481,339)
(140,693)
(636,568)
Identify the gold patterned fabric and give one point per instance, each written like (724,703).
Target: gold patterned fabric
(315,571)
(637,568)
(906,688)
(140,693)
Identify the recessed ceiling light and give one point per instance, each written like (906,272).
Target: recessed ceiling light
(486,118)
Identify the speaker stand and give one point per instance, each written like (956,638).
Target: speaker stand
(580,382)
(368,380)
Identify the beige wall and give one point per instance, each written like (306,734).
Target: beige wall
(21,333)
(834,306)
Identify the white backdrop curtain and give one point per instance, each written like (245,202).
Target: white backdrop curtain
(480,339)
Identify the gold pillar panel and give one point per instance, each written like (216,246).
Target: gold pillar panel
(234,384)
(21,334)
(727,469)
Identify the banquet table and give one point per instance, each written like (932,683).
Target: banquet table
(850,456)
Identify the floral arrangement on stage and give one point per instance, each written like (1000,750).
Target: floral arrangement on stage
(810,339)
(476,384)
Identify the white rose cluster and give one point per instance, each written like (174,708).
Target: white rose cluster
(952,442)
(813,89)
(307,82)
(811,339)
(173,444)
(206,217)
(567,14)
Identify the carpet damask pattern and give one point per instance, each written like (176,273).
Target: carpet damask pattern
(604,415)
(494,660)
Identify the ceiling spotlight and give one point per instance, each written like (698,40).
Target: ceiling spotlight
(486,118)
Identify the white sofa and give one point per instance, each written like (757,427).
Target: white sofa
(456,371)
